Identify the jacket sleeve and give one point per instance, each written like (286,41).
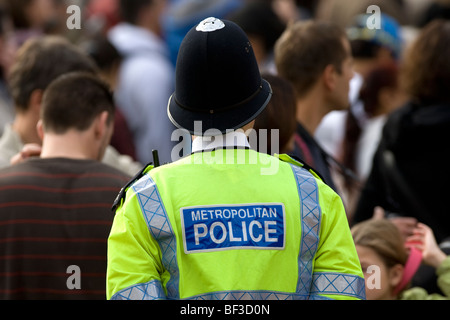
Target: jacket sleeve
(337,272)
(443,281)
(134,265)
(443,273)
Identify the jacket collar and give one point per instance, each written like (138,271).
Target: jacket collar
(235,139)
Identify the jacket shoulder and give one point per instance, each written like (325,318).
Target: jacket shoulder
(121,196)
(293,160)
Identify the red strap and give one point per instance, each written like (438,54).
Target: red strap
(306,153)
(411,266)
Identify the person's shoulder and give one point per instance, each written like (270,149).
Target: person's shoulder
(37,167)
(27,165)
(21,172)
(6,171)
(399,115)
(116,173)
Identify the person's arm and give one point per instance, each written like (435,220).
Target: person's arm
(423,239)
(337,272)
(443,273)
(28,151)
(134,265)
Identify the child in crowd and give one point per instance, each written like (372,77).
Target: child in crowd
(389,263)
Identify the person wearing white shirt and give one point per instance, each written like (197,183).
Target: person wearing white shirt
(146,78)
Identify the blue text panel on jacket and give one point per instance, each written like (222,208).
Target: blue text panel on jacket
(226,227)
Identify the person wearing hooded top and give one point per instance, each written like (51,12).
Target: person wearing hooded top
(145,77)
(410,173)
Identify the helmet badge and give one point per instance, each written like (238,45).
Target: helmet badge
(210,24)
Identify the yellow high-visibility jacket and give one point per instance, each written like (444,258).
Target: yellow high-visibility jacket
(211,226)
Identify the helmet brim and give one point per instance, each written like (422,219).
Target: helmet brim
(210,123)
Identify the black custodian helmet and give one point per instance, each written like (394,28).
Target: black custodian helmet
(217,79)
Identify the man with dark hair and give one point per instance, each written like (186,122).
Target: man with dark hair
(37,64)
(316,58)
(55,210)
(94,99)
(371,48)
(339,130)
(146,78)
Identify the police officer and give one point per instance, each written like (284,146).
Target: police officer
(227,222)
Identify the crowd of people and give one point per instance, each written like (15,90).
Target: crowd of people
(82,111)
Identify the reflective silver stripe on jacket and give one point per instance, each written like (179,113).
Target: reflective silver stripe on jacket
(341,284)
(152,290)
(311,215)
(318,283)
(159,225)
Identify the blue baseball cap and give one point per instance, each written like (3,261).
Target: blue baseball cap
(388,35)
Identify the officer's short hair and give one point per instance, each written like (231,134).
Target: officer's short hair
(74,100)
(305,49)
(40,61)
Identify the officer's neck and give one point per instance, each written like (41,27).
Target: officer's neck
(234,139)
